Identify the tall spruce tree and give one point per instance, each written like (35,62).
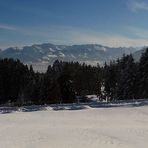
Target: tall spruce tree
(110,81)
(126,85)
(143,76)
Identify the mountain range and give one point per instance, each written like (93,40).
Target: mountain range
(41,55)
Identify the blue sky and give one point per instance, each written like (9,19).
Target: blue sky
(109,22)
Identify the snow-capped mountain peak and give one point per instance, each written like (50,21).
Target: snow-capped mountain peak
(47,53)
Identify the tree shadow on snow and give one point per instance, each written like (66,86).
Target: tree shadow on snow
(128,103)
(73,107)
(68,107)
(6,110)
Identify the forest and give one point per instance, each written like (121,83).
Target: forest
(64,82)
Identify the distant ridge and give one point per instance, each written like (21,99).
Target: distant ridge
(41,55)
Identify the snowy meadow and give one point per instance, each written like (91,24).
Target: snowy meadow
(115,125)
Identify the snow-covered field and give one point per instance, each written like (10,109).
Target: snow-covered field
(84,126)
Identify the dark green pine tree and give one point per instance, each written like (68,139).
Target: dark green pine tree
(110,81)
(50,86)
(13,79)
(66,89)
(142,81)
(126,85)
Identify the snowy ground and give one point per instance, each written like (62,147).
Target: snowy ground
(75,126)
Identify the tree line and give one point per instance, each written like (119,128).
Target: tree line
(65,82)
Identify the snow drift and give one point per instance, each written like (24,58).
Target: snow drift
(84,126)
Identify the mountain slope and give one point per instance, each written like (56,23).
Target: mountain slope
(45,54)
(138,54)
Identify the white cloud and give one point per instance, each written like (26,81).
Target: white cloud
(137,5)
(84,36)
(7,27)
(139,32)
(110,40)
(72,35)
